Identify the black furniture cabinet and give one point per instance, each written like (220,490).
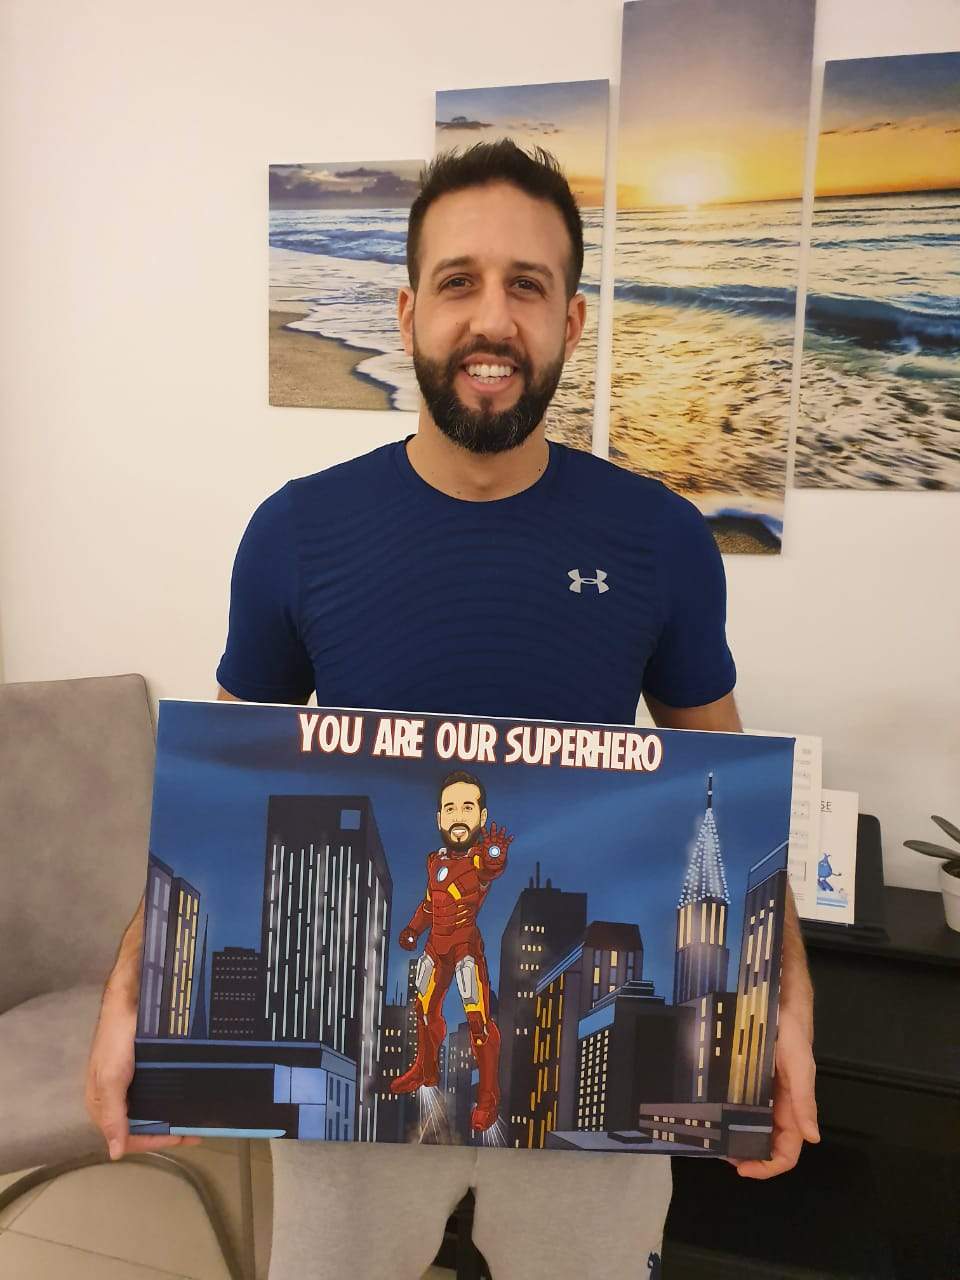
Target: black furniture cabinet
(879,1197)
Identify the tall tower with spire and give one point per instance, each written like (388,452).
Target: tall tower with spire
(702,956)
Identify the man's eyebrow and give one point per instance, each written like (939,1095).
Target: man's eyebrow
(445,264)
(533,268)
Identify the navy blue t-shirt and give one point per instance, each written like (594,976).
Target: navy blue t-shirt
(562,602)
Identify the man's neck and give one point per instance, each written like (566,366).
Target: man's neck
(475,477)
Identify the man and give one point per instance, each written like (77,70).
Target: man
(441,574)
(459,876)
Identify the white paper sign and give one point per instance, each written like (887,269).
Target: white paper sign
(837,865)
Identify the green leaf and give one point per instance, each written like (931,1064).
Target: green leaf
(952,831)
(934,850)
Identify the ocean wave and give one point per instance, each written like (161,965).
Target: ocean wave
(932,238)
(728,241)
(868,321)
(872,322)
(358,244)
(760,300)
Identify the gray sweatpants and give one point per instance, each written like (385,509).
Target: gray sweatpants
(349,1211)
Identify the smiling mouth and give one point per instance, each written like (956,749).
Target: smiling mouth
(489,375)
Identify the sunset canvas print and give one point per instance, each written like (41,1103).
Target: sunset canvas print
(337,258)
(880,386)
(713,123)
(568,119)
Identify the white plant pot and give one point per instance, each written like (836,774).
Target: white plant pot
(950,888)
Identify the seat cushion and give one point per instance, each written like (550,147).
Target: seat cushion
(46,1043)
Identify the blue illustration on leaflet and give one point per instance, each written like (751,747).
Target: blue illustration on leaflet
(830,893)
(366,926)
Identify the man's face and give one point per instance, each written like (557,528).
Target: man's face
(460,817)
(490,326)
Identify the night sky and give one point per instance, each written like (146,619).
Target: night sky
(623,838)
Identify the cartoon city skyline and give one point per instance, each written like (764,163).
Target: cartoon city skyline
(299,1039)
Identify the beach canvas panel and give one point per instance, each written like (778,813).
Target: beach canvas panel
(568,119)
(337,258)
(713,123)
(372,927)
(880,385)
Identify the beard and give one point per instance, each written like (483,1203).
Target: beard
(453,843)
(483,430)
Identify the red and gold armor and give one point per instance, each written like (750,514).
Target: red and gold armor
(457,884)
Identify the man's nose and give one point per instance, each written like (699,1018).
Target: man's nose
(492,318)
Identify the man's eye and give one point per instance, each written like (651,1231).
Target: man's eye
(528,284)
(454,280)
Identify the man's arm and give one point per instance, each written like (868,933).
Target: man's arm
(223,696)
(794,1100)
(110,1068)
(721,716)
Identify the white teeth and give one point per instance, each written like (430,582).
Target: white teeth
(489,370)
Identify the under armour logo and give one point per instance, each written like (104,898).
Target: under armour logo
(576,582)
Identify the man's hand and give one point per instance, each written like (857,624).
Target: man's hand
(794,1100)
(408,940)
(794,1104)
(110,1068)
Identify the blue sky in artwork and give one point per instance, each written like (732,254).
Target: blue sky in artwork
(570,103)
(914,86)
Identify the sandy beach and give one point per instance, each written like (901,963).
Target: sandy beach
(740,535)
(308,371)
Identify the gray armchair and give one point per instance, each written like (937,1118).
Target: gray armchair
(76,767)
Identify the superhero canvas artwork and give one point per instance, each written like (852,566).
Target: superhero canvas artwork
(367,926)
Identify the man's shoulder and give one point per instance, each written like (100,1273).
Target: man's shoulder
(348,477)
(597,481)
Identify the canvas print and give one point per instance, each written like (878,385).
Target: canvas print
(368,927)
(568,119)
(337,258)
(880,387)
(713,120)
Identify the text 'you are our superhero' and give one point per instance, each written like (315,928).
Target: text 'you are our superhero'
(476,741)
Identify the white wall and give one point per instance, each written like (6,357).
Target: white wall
(136,436)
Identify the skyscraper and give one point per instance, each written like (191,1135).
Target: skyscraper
(171,910)
(460,1068)
(156,915)
(545,924)
(758,984)
(325,933)
(235,988)
(702,956)
(392,1111)
(609,957)
(701,965)
(198,1023)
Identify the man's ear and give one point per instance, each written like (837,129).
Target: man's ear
(483,817)
(439,827)
(405,301)
(576,318)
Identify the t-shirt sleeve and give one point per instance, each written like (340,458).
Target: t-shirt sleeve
(691,664)
(265,660)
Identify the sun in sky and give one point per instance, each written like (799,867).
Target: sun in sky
(689,179)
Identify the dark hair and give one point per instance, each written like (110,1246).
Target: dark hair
(538,174)
(460,776)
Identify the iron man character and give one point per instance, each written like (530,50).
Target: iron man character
(459,876)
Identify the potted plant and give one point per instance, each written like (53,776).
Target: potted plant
(949,869)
